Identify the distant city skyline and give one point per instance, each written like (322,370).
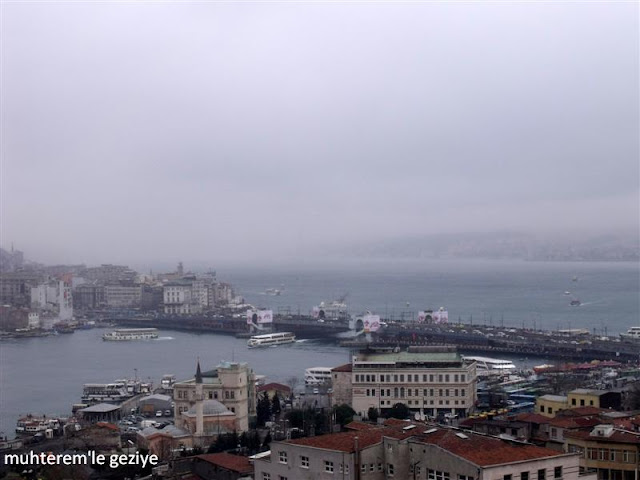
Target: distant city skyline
(267,132)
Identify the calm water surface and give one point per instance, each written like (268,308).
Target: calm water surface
(45,375)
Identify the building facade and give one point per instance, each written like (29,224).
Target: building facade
(435,381)
(231,384)
(413,452)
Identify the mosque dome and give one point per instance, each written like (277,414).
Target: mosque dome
(210,407)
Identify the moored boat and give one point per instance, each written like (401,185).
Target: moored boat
(317,375)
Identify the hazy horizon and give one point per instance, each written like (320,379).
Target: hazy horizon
(239,132)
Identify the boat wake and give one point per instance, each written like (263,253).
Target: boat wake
(165,338)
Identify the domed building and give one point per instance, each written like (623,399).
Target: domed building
(216,419)
(224,394)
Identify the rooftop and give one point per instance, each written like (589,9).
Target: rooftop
(235,463)
(483,450)
(343,368)
(553,398)
(101,408)
(345,442)
(409,357)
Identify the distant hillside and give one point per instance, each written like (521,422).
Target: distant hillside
(503,245)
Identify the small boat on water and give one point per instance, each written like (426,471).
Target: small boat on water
(127,334)
(271,339)
(575,302)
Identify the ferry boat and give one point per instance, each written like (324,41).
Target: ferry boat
(32,424)
(126,334)
(317,375)
(632,334)
(269,339)
(114,392)
(486,366)
(334,311)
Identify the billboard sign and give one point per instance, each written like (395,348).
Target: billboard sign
(371,323)
(441,316)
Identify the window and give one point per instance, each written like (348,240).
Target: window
(266,476)
(557,472)
(372,467)
(438,475)
(379,467)
(465,477)
(524,475)
(328,466)
(280,477)
(582,402)
(542,473)
(304,462)
(363,468)
(446,378)
(541,408)
(507,477)
(573,401)
(283,457)
(390,469)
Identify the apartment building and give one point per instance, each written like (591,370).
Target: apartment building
(413,452)
(614,453)
(434,380)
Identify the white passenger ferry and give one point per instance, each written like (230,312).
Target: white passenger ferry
(269,339)
(632,334)
(486,366)
(124,334)
(317,375)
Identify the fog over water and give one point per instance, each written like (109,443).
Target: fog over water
(268,131)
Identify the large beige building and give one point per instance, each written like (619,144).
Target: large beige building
(231,384)
(433,380)
(413,452)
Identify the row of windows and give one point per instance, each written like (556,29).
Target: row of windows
(415,392)
(329,467)
(415,378)
(211,395)
(424,402)
(611,455)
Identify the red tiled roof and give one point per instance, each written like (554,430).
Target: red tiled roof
(360,426)
(107,425)
(396,422)
(485,451)
(532,418)
(274,386)
(616,437)
(574,422)
(580,411)
(345,442)
(343,368)
(227,461)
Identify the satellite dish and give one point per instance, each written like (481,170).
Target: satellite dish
(417,416)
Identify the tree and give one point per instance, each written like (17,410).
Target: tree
(275,404)
(295,418)
(373,414)
(267,441)
(632,400)
(400,411)
(293,383)
(263,410)
(344,414)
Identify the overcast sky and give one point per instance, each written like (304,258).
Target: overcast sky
(140,131)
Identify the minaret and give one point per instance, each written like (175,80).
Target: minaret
(199,402)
